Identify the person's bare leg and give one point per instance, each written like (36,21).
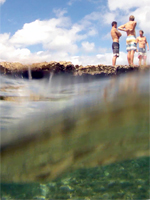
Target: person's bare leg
(144,61)
(140,61)
(114,60)
(132,57)
(129,57)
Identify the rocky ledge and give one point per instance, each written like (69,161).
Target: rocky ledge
(40,70)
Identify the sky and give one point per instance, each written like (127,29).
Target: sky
(67,30)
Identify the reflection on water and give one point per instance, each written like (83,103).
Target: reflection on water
(19,97)
(22,99)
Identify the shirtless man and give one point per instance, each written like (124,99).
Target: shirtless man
(129,28)
(142,47)
(115,34)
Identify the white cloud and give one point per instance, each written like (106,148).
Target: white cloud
(126,5)
(9,53)
(60,39)
(4,37)
(60,12)
(95,1)
(103,58)
(40,31)
(142,16)
(14,54)
(88,47)
(102,50)
(109,17)
(71,2)
(2,1)
(55,35)
(93,16)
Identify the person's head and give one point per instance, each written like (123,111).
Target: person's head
(141,32)
(131,18)
(114,24)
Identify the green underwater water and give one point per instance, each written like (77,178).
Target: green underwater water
(123,180)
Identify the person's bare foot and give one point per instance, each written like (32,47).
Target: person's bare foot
(133,65)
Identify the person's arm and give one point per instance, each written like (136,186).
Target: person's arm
(134,33)
(147,45)
(118,33)
(137,41)
(122,28)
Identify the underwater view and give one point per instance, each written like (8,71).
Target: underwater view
(74,99)
(124,180)
(65,138)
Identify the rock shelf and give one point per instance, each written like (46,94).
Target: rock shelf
(40,70)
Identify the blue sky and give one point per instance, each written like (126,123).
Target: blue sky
(69,30)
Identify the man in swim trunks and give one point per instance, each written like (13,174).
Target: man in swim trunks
(129,28)
(115,34)
(142,47)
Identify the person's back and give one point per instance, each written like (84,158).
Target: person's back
(130,26)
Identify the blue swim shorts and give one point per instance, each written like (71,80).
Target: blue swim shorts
(142,53)
(115,48)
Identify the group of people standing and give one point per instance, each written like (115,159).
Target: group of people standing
(131,42)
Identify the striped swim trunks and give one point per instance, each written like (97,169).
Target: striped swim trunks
(131,43)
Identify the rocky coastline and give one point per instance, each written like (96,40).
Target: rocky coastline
(43,69)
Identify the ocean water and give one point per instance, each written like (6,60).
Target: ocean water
(21,97)
(22,100)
